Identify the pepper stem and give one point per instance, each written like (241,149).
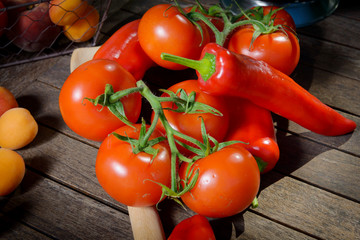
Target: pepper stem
(206,66)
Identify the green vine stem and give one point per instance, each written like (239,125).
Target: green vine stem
(200,149)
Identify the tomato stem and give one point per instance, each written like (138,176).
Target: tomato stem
(120,94)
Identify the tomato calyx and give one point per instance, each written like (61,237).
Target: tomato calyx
(229,22)
(261,163)
(268,20)
(142,144)
(111,100)
(186,103)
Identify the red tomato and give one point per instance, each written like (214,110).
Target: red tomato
(281,17)
(164,29)
(190,124)
(216,21)
(279,49)
(228,182)
(89,80)
(196,227)
(126,176)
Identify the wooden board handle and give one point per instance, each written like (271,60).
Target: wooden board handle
(81,55)
(146,223)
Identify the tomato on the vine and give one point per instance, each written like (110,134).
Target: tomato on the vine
(227,183)
(130,178)
(276,44)
(279,16)
(88,81)
(190,124)
(279,49)
(164,29)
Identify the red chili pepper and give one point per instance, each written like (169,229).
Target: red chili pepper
(222,72)
(254,126)
(124,47)
(196,227)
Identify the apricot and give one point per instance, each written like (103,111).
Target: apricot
(66,12)
(7,100)
(85,27)
(17,128)
(12,171)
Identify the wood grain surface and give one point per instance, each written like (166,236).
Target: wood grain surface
(313,192)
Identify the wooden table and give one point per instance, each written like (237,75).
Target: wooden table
(313,193)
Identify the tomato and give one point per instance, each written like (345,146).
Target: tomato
(12,171)
(196,227)
(164,29)
(280,17)
(190,124)
(130,178)
(279,49)
(89,80)
(228,182)
(218,22)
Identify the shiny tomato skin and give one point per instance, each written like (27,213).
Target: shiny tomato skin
(130,178)
(163,29)
(278,49)
(281,17)
(228,182)
(89,80)
(190,124)
(196,227)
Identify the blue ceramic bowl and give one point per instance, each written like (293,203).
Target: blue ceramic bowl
(304,12)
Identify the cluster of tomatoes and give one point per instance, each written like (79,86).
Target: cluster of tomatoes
(180,154)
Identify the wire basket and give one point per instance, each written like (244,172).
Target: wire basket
(44,39)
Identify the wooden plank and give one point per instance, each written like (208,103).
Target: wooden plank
(334,90)
(334,58)
(11,229)
(63,213)
(349,9)
(335,28)
(308,208)
(319,165)
(68,161)
(17,78)
(348,142)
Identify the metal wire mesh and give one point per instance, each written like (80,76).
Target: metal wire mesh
(55,44)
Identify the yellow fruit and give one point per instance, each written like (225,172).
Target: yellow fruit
(85,27)
(17,128)
(12,171)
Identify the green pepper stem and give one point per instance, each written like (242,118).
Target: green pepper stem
(205,66)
